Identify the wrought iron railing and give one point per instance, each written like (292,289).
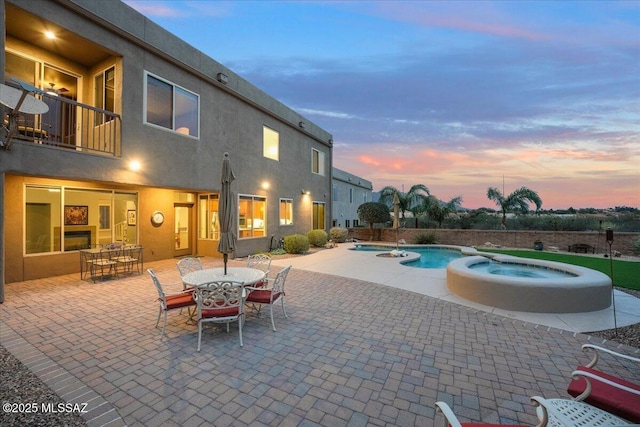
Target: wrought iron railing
(72,125)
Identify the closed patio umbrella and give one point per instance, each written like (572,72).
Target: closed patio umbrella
(226,210)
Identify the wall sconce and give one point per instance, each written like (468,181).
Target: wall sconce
(134,165)
(265,185)
(302,124)
(223,78)
(305,192)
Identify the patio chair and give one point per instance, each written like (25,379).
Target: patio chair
(269,294)
(103,261)
(449,419)
(568,412)
(261,262)
(188,265)
(618,396)
(220,302)
(170,301)
(130,258)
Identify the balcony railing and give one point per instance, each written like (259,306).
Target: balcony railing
(72,125)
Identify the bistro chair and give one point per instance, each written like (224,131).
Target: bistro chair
(170,301)
(103,261)
(269,294)
(188,265)
(220,302)
(130,258)
(260,262)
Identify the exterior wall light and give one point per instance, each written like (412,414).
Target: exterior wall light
(134,165)
(265,185)
(302,124)
(305,192)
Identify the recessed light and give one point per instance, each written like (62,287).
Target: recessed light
(49,35)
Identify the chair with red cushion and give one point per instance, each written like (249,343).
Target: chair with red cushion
(450,419)
(188,265)
(269,294)
(618,396)
(170,301)
(261,262)
(220,302)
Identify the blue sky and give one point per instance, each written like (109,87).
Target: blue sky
(453,95)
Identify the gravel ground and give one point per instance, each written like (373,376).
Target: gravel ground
(20,386)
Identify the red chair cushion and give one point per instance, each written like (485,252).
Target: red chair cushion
(180,300)
(258,284)
(262,296)
(608,398)
(221,312)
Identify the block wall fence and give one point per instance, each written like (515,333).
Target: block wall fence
(622,242)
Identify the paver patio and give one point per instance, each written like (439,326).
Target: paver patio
(352,353)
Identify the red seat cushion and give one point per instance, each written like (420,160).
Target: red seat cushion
(608,398)
(220,312)
(181,300)
(258,284)
(262,296)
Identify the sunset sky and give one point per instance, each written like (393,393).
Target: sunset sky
(453,95)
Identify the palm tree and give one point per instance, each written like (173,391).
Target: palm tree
(519,199)
(410,200)
(439,211)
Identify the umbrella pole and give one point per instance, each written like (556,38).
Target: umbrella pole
(225,257)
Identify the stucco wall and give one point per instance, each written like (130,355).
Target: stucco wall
(622,242)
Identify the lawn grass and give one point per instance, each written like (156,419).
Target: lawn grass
(626,274)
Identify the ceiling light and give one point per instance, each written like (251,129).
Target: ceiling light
(49,35)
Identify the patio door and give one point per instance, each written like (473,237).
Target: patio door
(183,215)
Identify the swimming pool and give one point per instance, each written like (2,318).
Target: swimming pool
(430,257)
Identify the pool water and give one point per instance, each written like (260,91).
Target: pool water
(430,257)
(520,270)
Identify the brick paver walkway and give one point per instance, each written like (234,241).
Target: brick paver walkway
(352,353)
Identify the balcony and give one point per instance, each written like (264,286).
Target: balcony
(71,125)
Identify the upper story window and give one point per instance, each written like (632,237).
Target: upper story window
(104,93)
(317,161)
(270,143)
(351,195)
(171,107)
(335,193)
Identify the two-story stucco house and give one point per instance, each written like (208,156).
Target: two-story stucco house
(138,122)
(348,193)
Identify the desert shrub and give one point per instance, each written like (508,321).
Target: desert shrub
(278,251)
(317,238)
(428,238)
(338,234)
(296,243)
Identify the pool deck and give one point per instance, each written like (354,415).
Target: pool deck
(366,265)
(356,351)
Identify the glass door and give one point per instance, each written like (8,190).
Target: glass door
(182,229)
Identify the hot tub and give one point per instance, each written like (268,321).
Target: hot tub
(558,288)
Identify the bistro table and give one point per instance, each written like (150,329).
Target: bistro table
(247,275)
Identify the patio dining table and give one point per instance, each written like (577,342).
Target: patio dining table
(247,275)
